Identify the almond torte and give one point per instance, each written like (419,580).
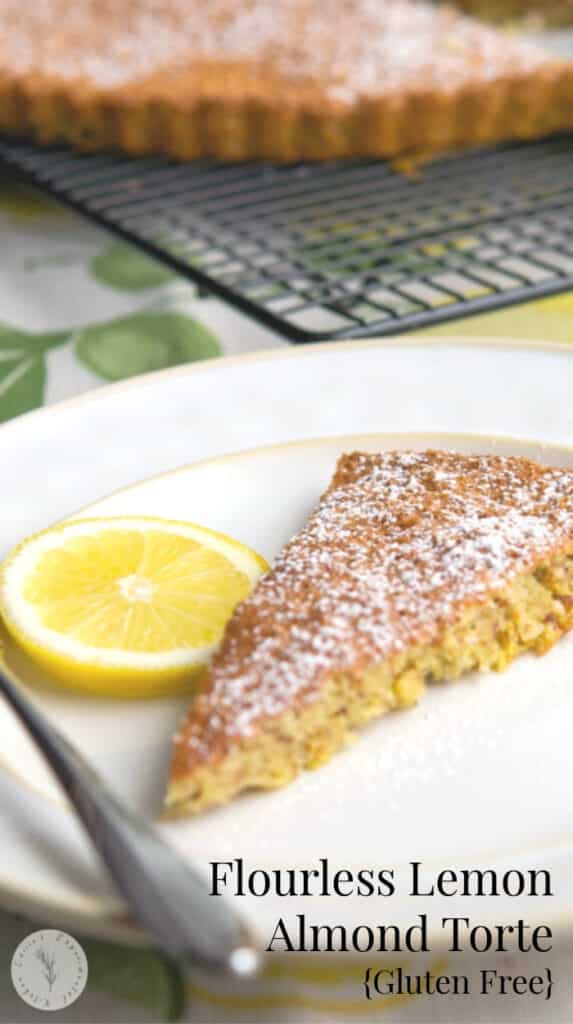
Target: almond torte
(415,567)
(287,80)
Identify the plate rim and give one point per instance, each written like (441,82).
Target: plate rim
(103,919)
(290,351)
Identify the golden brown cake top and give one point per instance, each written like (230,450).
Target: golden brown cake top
(350,48)
(400,543)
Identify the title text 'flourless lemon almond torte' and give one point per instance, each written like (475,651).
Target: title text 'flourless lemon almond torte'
(414,567)
(287,80)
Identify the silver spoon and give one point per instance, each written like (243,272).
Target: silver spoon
(164,894)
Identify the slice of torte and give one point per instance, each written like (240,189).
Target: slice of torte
(415,567)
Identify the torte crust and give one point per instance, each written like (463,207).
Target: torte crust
(183,126)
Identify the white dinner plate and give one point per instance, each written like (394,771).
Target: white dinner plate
(476,776)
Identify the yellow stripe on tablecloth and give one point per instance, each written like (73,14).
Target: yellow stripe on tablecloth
(324,975)
(324,971)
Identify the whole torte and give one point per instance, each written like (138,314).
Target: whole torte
(415,567)
(287,79)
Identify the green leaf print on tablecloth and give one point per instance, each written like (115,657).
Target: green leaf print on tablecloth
(142,343)
(138,976)
(23,368)
(124,267)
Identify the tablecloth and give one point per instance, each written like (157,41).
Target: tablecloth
(78,309)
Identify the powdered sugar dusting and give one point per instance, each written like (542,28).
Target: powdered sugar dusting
(399,545)
(351,48)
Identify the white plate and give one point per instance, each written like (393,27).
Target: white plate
(477,775)
(435,784)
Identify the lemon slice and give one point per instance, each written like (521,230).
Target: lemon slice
(130,606)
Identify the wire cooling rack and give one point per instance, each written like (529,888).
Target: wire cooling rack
(338,250)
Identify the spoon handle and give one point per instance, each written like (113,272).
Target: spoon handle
(166,895)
